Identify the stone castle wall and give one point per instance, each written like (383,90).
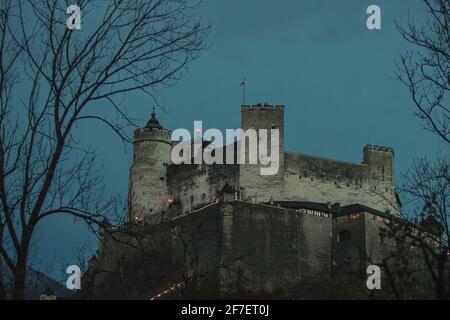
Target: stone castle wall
(227,247)
(316,179)
(193,185)
(262,239)
(155,182)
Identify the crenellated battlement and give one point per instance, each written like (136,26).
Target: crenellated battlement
(262,108)
(370,147)
(378,155)
(152,134)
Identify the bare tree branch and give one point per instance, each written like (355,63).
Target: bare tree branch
(51,78)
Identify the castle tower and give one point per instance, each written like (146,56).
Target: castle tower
(148,195)
(254,186)
(380,162)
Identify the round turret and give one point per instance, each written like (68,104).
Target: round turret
(148,187)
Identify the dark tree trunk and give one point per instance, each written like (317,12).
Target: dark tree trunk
(19,280)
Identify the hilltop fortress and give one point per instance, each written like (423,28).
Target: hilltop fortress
(156,184)
(225,230)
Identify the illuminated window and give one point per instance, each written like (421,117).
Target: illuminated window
(344,236)
(353,216)
(313,212)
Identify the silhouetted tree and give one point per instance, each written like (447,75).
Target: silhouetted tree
(52,78)
(426,189)
(426,72)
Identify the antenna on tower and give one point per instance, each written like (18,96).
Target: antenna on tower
(243,86)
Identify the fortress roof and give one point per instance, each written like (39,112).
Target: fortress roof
(427,225)
(334,208)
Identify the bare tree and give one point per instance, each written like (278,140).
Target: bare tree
(426,184)
(53,78)
(426,189)
(426,72)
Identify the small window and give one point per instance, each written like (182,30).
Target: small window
(353,216)
(344,236)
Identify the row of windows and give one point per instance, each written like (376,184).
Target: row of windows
(313,212)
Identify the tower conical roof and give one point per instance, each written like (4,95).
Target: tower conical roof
(153,122)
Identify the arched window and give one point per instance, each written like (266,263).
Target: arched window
(344,236)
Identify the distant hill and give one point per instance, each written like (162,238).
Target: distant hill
(37,283)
